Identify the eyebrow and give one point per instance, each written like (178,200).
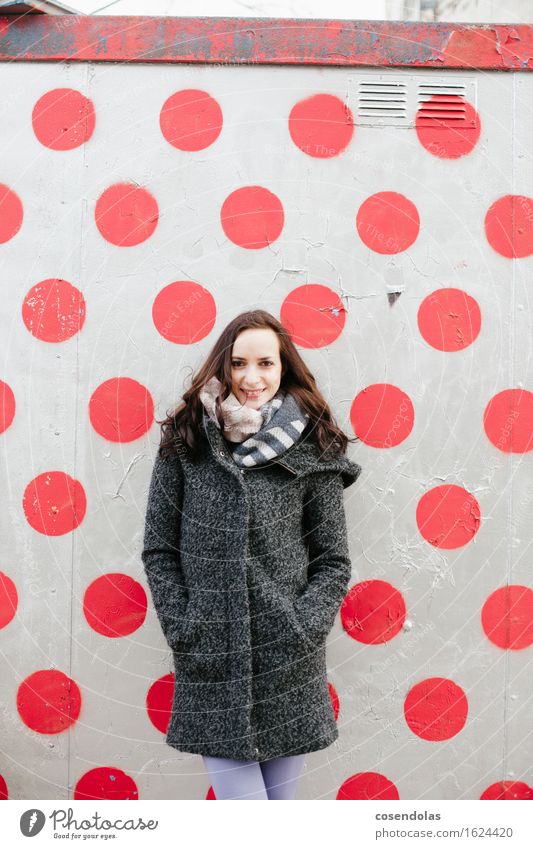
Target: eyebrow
(266,357)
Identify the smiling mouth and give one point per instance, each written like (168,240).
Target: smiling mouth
(253,394)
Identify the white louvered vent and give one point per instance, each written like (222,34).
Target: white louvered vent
(390,99)
(382,99)
(442,101)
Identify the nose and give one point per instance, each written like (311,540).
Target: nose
(252,380)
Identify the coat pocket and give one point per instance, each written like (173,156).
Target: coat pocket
(181,635)
(282,620)
(298,629)
(283,657)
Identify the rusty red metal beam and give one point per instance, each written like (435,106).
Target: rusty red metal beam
(266,41)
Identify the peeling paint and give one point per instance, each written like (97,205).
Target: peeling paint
(266,41)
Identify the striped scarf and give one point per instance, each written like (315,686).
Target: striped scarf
(261,434)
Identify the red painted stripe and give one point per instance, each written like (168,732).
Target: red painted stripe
(266,41)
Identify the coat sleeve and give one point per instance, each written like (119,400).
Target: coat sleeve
(329,569)
(161,547)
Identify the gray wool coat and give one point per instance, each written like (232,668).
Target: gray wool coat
(247,570)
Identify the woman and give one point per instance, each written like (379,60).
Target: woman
(246,557)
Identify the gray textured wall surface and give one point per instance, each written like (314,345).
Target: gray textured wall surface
(66,421)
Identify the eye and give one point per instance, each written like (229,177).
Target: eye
(237,363)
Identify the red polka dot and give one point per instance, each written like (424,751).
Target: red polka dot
(382,415)
(507,617)
(321,125)
(449,319)
(252,217)
(63,119)
(191,119)
(373,612)
(509,226)
(448,516)
(8,600)
(106,782)
(126,214)
(54,503)
(53,310)
(314,316)
(3,789)
(7,406)
(388,222)
(367,785)
(115,605)
(508,420)
(508,790)
(436,709)
(335,703)
(159,702)
(448,137)
(121,409)
(48,701)
(11,213)
(184,312)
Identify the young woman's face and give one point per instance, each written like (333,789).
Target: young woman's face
(255,366)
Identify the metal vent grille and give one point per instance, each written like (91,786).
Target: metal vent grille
(441,101)
(388,99)
(382,99)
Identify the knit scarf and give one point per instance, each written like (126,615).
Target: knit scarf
(261,434)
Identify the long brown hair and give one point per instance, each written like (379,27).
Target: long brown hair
(185,421)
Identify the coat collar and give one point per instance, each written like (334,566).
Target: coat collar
(301,459)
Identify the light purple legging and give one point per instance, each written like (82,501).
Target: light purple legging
(272,779)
